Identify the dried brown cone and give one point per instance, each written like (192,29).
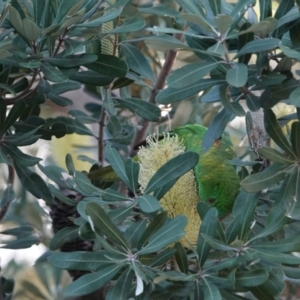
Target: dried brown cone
(62,215)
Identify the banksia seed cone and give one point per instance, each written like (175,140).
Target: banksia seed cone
(60,214)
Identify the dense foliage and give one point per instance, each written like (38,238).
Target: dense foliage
(247,63)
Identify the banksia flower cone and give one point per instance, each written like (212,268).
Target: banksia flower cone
(182,198)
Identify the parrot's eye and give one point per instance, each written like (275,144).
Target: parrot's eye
(211,200)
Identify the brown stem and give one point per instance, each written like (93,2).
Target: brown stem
(160,83)
(11,179)
(60,41)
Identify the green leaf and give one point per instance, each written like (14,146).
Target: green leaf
(13,115)
(216,244)
(89,283)
(269,176)
(157,223)
(198,20)
(122,287)
(259,46)
(216,128)
(252,102)
(107,16)
(169,233)
(277,257)
(5,157)
(244,39)
(189,74)
(86,261)
(171,170)
(295,138)
(31,30)
(192,7)
(63,87)
(109,65)
(135,231)
(120,214)
(52,73)
(72,46)
(16,20)
(22,139)
(260,293)
(210,290)
(8,196)
(131,25)
(283,8)
(116,161)
(8,88)
(274,225)
(170,95)
(21,158)
(163,257)
(19,231)
(2,115)
(265,8)
(181,258)
(63,236)
(275,132)
(289,194)
(137,61)
(274,284)
(160,10)
(294,97)
(102,224)
(72,60)
(251,278)
(237,75)
(59,100)
(208,227)
(243,209)
(291,53)
(63,198)
(70,164)
(84,184)
(198,290)
(289,244)
(33,183)
(82,116)
(112,195)
(142,108)
(274,155)
(234,107)
(148,203)
(223,23)
(91,78)
(164,43)
(22,243)
(216,6)
(114,126)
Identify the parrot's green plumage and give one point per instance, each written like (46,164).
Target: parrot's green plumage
(216,178)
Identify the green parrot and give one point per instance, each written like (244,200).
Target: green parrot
(217,180)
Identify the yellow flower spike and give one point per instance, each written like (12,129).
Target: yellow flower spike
(182,198)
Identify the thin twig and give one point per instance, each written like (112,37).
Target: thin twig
(60,41)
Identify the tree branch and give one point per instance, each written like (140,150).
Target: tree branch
(160,83)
